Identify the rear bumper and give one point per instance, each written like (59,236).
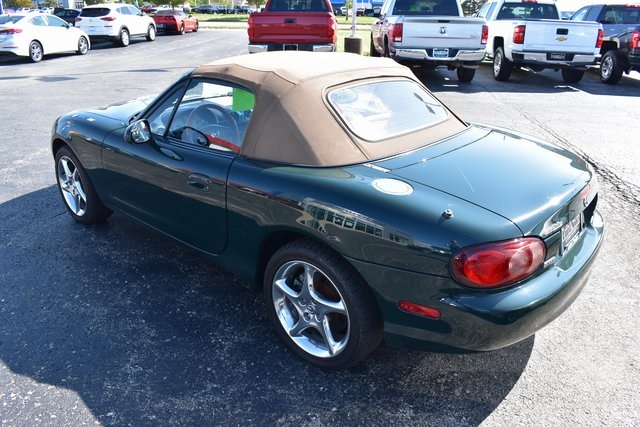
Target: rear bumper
(481,320)
(571,59)
(308,47)
(471,56)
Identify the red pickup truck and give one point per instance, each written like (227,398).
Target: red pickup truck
(293,25)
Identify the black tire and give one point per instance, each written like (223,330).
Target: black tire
(465,75)
(35,51)
(76,190)
(195,30)
(151,33)
(181,30)
(611,68)
(387,49)
(571,75)
(372,50)
(336,295)
(124,38)
(83,45)
(502,67)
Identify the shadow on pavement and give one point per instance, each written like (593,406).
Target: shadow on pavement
(146,332)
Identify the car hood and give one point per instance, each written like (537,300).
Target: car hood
(122,112)
(518,177)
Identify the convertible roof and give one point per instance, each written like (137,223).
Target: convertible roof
(292,120)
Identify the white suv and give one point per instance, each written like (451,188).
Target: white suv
(115,21)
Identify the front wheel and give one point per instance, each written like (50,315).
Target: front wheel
(151,33)
(571,75)
(77,192)
(83,46)
(35,51)
(320,305)
(611,68)
(465,75)
(502,67)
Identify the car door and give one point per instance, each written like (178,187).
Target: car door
(61,39)
(138,21)
(177,182)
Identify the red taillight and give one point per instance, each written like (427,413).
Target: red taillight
(395,32)
(635,40)
(108,18)
(331,27)
(518,34)
(485,34)
(600,38)
(250,27)
(498,264)
(421,310)
(11,31)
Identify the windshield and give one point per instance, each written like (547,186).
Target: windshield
(386,109)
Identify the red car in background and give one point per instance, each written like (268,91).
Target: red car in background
(175,21)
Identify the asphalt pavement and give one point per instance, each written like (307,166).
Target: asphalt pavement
(114,325)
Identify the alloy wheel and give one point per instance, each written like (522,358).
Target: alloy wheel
(72,190)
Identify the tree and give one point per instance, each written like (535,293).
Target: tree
(14,4)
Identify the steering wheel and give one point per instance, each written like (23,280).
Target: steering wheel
(213,120)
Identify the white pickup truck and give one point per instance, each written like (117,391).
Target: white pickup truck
(530,34)
(430,33)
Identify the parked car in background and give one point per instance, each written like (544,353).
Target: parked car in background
(525,33)
(339,185)
(175,21)
(36,34)
(293,25)
(620,51)
(148,8)
(205,8)
(69,15)
(430,34)
(117,22)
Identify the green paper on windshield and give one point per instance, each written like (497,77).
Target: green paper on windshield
(242,100)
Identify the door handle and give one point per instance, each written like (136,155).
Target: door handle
(199,181)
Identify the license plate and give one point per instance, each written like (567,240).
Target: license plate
(440,53)
(571,231)
(557,56)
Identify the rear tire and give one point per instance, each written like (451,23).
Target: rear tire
(502,67)
(465,75)
(372,50)
(611,68)
(35,51)
(320,306)
(123,38)
(571,75)
(195,29)
(181,30)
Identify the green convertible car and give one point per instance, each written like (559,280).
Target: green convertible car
(364,208)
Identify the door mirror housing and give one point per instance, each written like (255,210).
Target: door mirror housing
(138,132)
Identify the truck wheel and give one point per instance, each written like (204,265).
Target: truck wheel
(501,66)
(465,75)
(571,75)
(611,68)
(372,50)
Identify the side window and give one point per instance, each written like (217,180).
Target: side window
(612,15)
(486,10)
(54,21)
(160,117)
(133,11)
(580,15)
(213,114)
(39,21)
(593,13)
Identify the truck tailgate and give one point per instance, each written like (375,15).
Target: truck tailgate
(299,27)
(445,32)
(561,36)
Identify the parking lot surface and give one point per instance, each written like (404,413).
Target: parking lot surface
(114,325)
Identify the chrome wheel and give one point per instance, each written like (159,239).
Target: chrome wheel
(311,309)
(83,46)
(35,52)
(497,63)
(71,186)
(606,68)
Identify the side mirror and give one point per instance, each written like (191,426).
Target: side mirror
(138,132)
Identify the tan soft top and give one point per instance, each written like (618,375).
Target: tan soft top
(292,120)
